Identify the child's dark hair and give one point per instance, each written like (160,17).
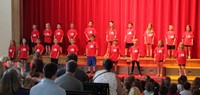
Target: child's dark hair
(149,86)
(186,86)
(92,36)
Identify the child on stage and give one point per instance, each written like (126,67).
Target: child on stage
(134,56)
(12,50)
(58,35)
(149,40)
(159,57)
(91,53)
(71,33)
(188,41)
(170,41)
(47,38)
(23,54)
(39,48)
(181,58)
(89,31)
(114,53)
(129,36)
(34,36)
(55,52)
(72,48)
(111,34)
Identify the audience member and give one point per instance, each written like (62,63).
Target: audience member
(68,81)
(181,80)
(47,85)
(148,88)
(186,90)
(173,89)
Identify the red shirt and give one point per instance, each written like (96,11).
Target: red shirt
(72,49)
(111,34)
(55,51)
(187,38)
(12,52)
(39,48)
(114,52)
(149,37)
(58,34)
(134,52)
(23,51)
(34,35)
(91,47)
(159,53)
(170,36)
(47,36)
(181,56)
(90,31)
(129,34)
(71,33)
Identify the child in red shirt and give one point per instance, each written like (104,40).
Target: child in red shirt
(114,53)
(39,48)
(58,34)
(72,33)
(23,54)
(149,40)
(159,55)
(111,34)
(47,38)
(56,50)
(129,36)
(91,53)
(188,41)
(72,48)
(134,56)
(90,30)
(34,36)
(12,50)
(170,41)
(181,55)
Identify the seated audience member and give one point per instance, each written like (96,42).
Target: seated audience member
(135,91)
(106,76)
(181,80)
(163,90)
(148,89)
(173,89)
(10,84)
(146,78)
(196,82)
(79,74)
(186,90)
(156,88)
(36,56)
(137,83)
(166,82)
(36,72)
(127,84)
(195,91)
(47,85)
(28,83)
(68,81)
(2,69)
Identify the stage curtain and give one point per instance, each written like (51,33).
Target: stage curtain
(160,13)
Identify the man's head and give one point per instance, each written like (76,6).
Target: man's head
(107,64)
(71,66)
(50,70)
(72,57)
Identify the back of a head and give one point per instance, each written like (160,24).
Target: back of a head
(10,82)
(195,91)
(107,64)
(196,82)
(72,57)
(186,86)
(149,86)
(183,79)
(173,88)
(38,66)
(137,83)
(71,66)
(146,78)
(129,79)
(135,91)
(50,70)
(166,81)
(163,90)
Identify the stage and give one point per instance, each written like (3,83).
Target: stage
(148,67)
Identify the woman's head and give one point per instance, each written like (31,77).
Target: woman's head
(37,68)
(10,82)
(107,64)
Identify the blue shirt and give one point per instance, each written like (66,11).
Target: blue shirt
(47,87)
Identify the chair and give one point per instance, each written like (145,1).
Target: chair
(79,93)
(97,88)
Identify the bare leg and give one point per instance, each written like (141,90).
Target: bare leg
(126,50)
(180,71)
(158,69)
(116,68)
(161,68)
(89,68)
(189,52)
(173,53)
(147,50)
(94,68)
(168,53)
(184,70)
(150,47)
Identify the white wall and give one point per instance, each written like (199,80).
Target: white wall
(5,25)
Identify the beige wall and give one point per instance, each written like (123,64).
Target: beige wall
(5,25)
